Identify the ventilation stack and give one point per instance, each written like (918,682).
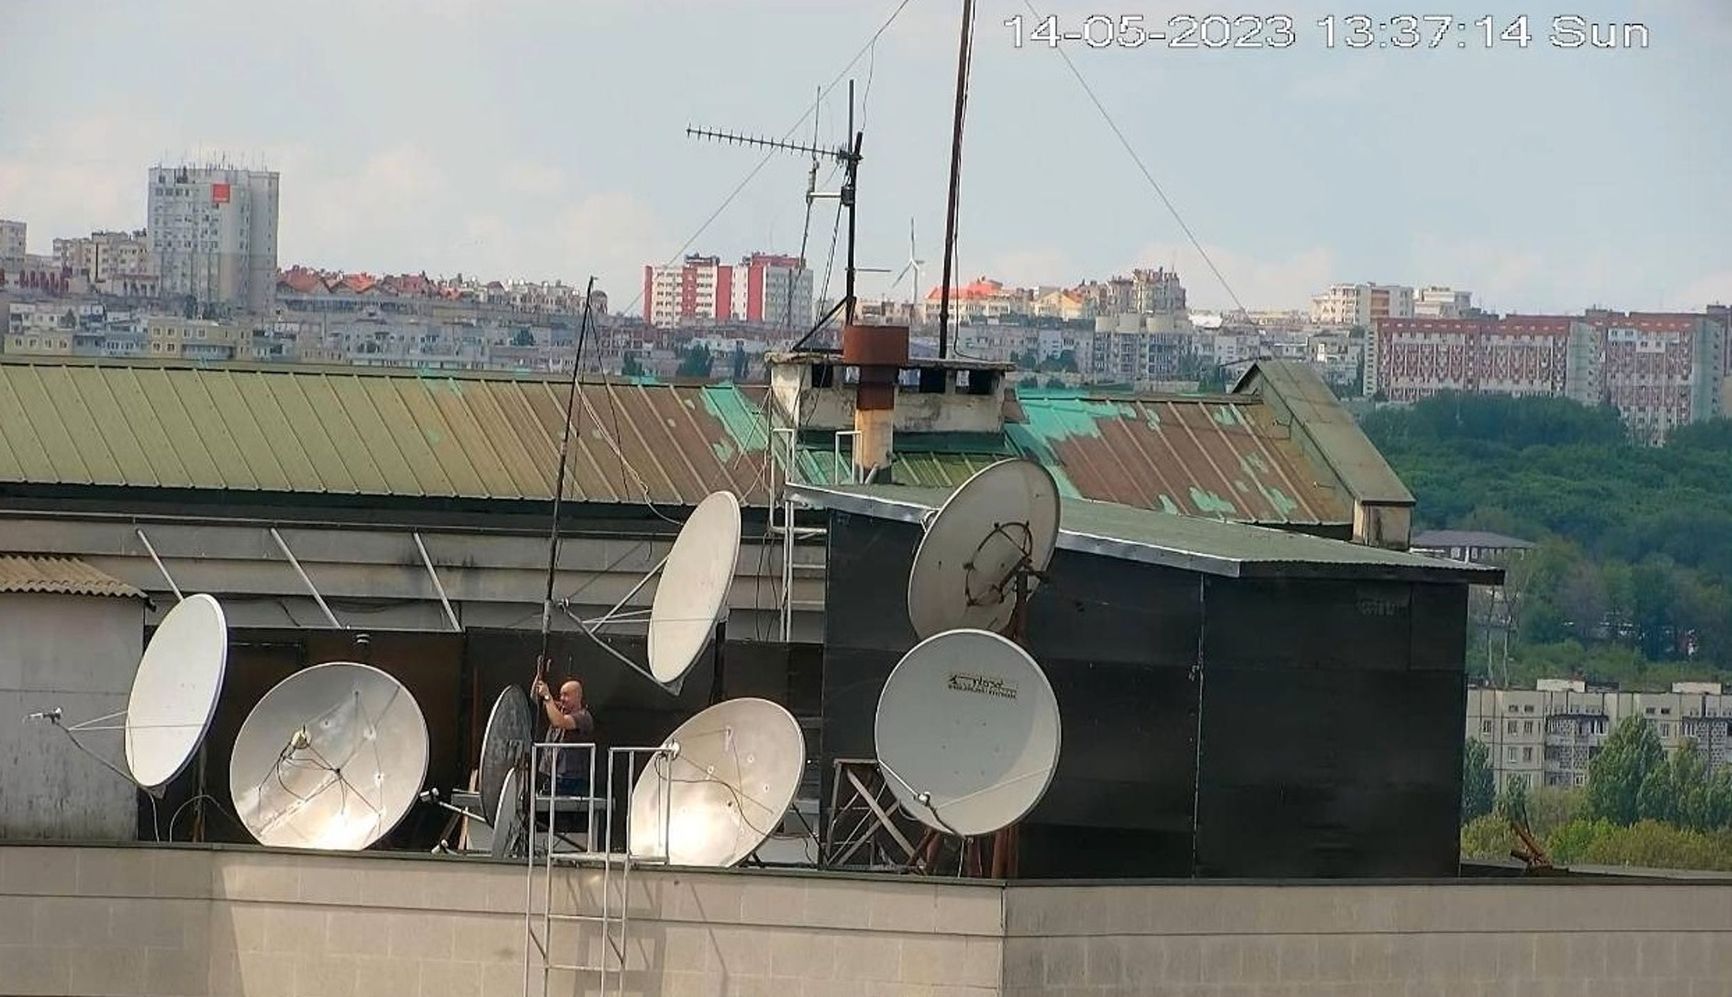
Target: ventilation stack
(879,352)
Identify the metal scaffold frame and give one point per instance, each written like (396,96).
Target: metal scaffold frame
(612,920)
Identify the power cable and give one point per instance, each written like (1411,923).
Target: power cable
(1138,160)
(786,136)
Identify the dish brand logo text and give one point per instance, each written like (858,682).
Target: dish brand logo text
(985,685)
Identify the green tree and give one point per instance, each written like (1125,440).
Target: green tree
(1067,361)
(523,337)
(1512,803)
(696,361)
(1617,774)
(739,372)
(630,366)
(1476,781)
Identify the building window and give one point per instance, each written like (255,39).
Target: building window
(1510,727)
(1527,754)
(1527,726)
(1529,708)
(1510,753)
(1485,726)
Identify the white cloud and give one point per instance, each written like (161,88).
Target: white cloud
(78,174)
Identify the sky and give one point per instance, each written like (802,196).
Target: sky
(546,139)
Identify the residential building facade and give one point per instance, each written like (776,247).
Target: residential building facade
(773,290)
(1548,735)
(1412,358)
(105,258)
(1361,304)
(212,232)
(700,288)
(1660,370)
(1442,302)
(12,239)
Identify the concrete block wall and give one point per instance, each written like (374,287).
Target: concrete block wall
(1495,938)
(196,922)
(190,922)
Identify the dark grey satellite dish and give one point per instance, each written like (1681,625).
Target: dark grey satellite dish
(504,745)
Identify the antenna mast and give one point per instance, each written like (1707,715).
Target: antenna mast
(849,158)
(964,56)
(559,482)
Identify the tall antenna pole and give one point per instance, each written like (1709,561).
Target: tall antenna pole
(849,184)
(963,52)
(559,482)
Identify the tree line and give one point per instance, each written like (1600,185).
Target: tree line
(1631,581)
(1640,807)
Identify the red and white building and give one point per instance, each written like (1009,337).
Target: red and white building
(1659,370)
(701,289)
(1412,358)
(773,290)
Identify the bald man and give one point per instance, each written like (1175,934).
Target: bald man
(568,719)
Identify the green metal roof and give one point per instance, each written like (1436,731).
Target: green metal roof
(1324,430)
(1234,550)
(352,431)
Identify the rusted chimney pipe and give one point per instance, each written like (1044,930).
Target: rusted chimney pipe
(880,352)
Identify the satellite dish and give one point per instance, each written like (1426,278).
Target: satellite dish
(967,732)
(693,590)
(175,690)
(508,825)
(332,758)
(1002,521)
(504,744)
(724,787)
(691,593)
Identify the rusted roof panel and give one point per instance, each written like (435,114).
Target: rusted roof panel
(387,433)
(1218,457)
(59,576)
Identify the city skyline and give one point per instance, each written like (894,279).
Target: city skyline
(1279,160)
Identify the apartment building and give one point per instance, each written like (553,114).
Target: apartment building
(1442,302)
(12,239)
(1412,358)
(170,336)
(699,289)
(772,290)
(1660,370)
(1548,735)
(105,258)
(212,233)
(1361,304)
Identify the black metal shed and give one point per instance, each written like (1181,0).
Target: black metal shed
(1237,701)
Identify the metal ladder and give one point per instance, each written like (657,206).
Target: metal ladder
(598,924)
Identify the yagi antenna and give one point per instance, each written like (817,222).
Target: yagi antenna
(848,156)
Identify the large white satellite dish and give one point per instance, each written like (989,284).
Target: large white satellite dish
(175,690)
(173,698)
(331,758)
(691,597)
(1001,524)
(967,732)
(722,790)
(504,745)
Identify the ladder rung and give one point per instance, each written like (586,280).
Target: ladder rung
(592,918)
(556,967)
